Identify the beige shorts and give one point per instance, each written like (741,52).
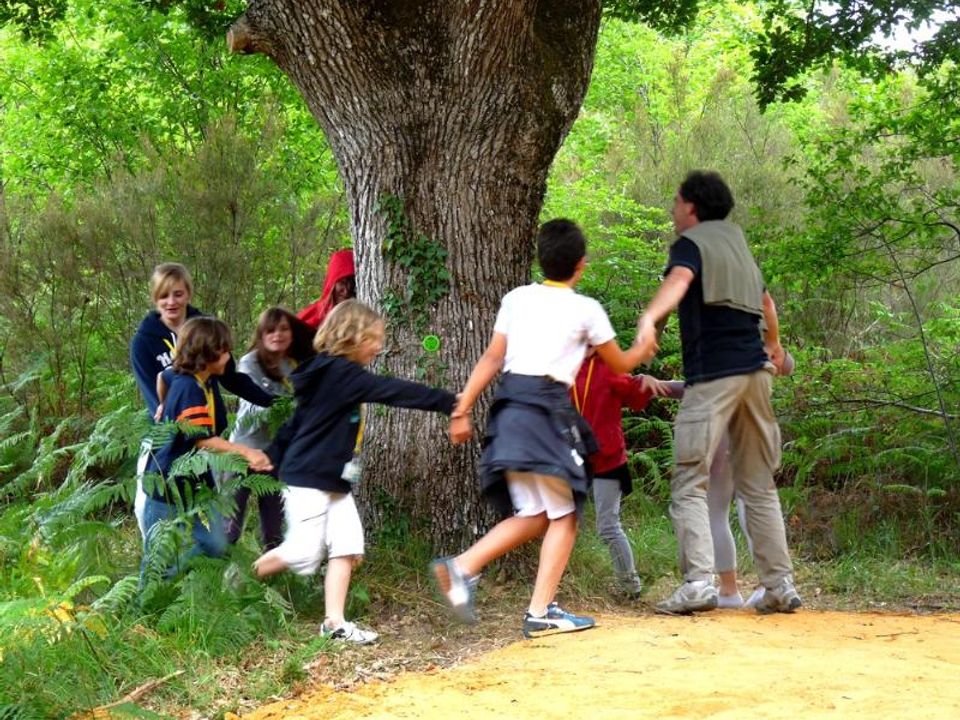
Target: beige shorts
(532,494)
(320,525)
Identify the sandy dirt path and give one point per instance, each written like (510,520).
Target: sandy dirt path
(718,665)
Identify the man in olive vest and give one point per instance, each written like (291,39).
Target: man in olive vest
(713,280)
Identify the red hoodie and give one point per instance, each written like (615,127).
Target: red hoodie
(600,394)
(339,267)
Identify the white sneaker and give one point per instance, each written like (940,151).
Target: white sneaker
(755,597)
(690,597)
(730,601)
(348,632)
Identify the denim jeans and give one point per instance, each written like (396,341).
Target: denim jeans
(209,541)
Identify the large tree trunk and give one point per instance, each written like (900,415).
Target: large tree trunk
(457,109)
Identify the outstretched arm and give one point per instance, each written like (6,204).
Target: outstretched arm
(257,459)
(242,385)
(623,361)
(486,369)
(668,296)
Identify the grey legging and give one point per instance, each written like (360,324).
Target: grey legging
(720,494)
(606,497)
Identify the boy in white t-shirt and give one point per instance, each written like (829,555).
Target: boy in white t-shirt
(533,458)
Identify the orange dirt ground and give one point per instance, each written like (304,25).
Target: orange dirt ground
(717,665)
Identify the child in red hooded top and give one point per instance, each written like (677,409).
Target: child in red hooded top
(339,285)
(599,395)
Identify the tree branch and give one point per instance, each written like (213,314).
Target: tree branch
(243,39)
(872,402)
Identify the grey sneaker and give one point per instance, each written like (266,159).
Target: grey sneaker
(783,598)
(695,596)
(456,588)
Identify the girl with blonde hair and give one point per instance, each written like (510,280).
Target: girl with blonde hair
(318,455)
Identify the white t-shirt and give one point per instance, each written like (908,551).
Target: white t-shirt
(548,330)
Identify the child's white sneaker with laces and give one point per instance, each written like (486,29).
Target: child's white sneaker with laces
(349,632)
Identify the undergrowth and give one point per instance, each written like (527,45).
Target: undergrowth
(870,518)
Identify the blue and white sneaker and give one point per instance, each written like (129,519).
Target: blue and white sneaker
(456,588)
(555,620)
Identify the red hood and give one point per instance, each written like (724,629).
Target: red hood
(339,267)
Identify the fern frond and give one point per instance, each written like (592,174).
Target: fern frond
(12,712)
(167,537)
(115,437)
(219,463)
(12,441)
(258,484)
(120,596)
(47,456)
(82,584)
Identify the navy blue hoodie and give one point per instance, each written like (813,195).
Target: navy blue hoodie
(312,447)
(152,351)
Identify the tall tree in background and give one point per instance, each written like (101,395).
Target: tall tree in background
(444,119)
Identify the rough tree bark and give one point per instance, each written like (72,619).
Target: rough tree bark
(457,108)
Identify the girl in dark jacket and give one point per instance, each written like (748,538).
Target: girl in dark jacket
(318,454)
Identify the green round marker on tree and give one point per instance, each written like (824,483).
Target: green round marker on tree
(431,343)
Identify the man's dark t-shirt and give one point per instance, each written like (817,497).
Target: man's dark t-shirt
(718,341)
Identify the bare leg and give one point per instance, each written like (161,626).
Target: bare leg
(728,582)
(336,584)
(270,563)
(554,554)
(502,538)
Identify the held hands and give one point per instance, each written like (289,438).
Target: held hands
(461,429)
(259,460)
(654,386)
(158,415)
(777,355)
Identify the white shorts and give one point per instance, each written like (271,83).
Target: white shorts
(320,524)
(140,498)
(532,494)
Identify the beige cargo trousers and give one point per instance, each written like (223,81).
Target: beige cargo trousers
(740,405)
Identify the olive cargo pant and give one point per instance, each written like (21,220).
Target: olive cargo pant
(741,405)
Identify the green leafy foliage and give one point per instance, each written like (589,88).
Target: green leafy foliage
(127,138)
(34,18)
(76,622)
(798,36)
(667,17)
(421,259)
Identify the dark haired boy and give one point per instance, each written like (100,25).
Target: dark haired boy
(193,398)
(532,468)
(729,368)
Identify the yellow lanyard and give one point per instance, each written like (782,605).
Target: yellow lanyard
(363,423)
(171,346)
(586,388)
(211,406)
(554,283)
